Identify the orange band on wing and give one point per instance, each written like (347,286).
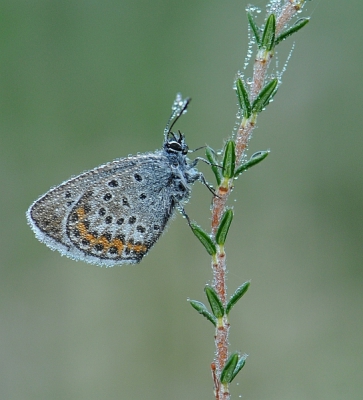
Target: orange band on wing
(85,234)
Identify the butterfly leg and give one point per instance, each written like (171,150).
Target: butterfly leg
(200,177)
(183,212)
(197,159)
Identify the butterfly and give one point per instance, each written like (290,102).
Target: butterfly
(114,213)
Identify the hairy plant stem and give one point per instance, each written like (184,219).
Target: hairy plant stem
(244,133)
(261,64)
(290,8)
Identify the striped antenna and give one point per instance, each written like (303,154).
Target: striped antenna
(179,107)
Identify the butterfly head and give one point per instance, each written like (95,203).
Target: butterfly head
(175,144)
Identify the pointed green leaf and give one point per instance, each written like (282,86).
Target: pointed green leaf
(229,159)
(210,154)
(214,301)
(263,98)
(223,227)
(237,295)
(204,239)
(268,37)
(202,309)
(243,99)
(254,160)
(269,99)
(228,370)
(296,27)
(255,28)
(241,363)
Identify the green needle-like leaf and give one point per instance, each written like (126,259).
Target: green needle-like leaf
(241,363)
(229,160)
(202,309)
(224,227)
(268,99)
(210,154)
(237,295)
(243,99)
(296,27)
(214,301)
(268,37)
(254,160)
(255,28)
(204,238)
(263,98)
(228,370)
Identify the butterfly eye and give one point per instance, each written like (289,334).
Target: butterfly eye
(175,146)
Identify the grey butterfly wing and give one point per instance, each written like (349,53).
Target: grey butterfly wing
(110,215)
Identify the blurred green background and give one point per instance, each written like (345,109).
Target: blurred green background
(84,82)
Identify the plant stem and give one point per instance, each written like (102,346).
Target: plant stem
(290,8)
(262,61)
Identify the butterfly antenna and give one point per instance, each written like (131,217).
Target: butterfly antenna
(179,107)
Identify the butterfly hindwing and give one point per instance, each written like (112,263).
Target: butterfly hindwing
(110,215)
